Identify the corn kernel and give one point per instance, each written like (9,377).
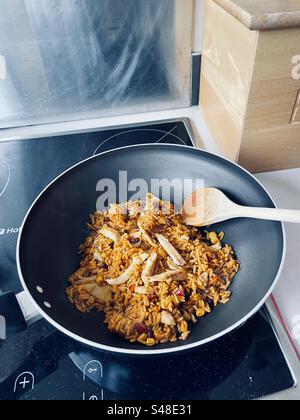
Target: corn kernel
(184,326)
(150,342)
(214,238)
(200,312)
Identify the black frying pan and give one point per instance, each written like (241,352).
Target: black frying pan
(55,226)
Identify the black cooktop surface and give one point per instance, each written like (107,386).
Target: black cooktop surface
(42,363)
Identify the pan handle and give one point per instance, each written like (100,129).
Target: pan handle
(16,313)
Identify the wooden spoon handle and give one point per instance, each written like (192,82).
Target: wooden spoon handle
(291,216)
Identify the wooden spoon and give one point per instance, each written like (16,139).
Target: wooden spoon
(207,206)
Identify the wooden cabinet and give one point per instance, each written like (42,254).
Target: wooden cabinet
(250,81)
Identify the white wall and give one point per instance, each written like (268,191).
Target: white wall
(199,18)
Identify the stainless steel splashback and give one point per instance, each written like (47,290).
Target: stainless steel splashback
(73,59)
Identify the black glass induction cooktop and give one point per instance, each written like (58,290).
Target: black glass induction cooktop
(44,364)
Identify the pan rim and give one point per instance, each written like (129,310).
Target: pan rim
(147,352)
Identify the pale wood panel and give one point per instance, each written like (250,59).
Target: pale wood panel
(228,57)
(272,152)
(227,63)
(219,120)
(269,141)
(264,14)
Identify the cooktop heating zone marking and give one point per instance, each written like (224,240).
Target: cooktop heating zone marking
(165,134)
(7,174)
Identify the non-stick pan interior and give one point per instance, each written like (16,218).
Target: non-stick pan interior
(55,228)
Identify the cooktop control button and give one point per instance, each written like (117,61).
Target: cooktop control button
(93,398)
(100,397)
(24,382)
(2,328)
(93,370)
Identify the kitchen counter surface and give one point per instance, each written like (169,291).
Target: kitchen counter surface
(264,14)
(283,185)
